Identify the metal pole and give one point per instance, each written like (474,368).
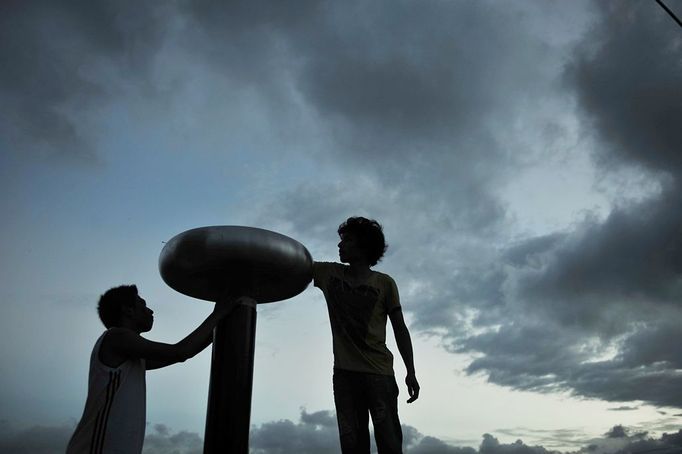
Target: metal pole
(228,418)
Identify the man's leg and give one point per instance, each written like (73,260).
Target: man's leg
(351,412)
(383,406)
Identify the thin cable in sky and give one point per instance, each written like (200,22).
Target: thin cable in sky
(660,2)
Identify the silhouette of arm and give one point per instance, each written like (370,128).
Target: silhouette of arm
(191,345)
(127,344)
(402,338)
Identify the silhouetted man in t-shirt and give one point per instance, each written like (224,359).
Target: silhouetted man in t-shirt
(359,302)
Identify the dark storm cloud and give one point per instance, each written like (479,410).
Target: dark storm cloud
(381,68)
(565,364)
(317,433)
(50,52)
(403,70)
(415,99)
(627,75)
(319,418)
(620,440)
(34,440)
(43,439)
(421,105)
(593,310)
(405,93)
(596,311)
(491,445)
(616,432)
(605,270)
(163,441)
(623,408)
(412,95)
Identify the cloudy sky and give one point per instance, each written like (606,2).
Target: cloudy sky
(522,156)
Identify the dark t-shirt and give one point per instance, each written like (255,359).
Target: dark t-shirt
(358,312)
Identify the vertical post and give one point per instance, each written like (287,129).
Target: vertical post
(228,418)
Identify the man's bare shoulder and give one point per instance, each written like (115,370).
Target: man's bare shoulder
(114,339)
(117,338)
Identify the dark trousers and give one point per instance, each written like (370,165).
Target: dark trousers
(358,395)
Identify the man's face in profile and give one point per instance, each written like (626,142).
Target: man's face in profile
(349,249)
(143,316)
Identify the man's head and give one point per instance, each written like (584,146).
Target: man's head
(361,236)
(122,306)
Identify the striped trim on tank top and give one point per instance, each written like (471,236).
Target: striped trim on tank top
(97,443)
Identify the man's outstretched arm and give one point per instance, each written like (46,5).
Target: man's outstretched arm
(402,338)
(128,344)
(194,342)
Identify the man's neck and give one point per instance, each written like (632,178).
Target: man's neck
(359,270)
(128,324)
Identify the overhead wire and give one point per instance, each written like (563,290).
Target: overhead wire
(669,11)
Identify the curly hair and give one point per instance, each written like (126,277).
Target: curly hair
(369,234)
(112,301)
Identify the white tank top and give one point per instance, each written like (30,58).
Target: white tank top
(114,418)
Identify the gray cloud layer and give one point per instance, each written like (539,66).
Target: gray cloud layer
(403,96)
(613,284)
(594,310)
(316,433)
(59,59)
(429,108)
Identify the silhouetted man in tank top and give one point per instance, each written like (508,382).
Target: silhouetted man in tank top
(114,418)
